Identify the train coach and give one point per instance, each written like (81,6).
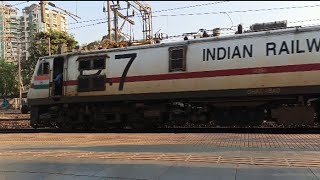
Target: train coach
(242,79)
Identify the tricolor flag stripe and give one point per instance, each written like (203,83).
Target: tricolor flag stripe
(41,82)
(42,86)
(41,78)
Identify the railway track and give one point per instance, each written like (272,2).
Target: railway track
(170,130)
(261,130)
(14,119)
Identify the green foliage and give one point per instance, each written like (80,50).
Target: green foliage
(8,79)
(93,45)
(39,48)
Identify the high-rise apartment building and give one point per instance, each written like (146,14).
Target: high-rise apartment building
(30,23)
(15,29)
(9,33)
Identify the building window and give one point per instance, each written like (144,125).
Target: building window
(177,58)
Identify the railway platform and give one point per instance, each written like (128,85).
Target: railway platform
(159,156)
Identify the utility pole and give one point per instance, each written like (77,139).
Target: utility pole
(44,19)
(146,13)
(142,8)
(109,21)
(115,24)
(19,76)
(67,12)
(43,11)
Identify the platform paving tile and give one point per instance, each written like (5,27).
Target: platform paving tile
(44,176)
(316,172)
(267,173)
(30,169)
(196,141)
(203,173)
(65,168)
(77,156)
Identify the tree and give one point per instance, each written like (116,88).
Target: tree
(104,43)
(105,40)
(8,79)
(93,45)
(39,48)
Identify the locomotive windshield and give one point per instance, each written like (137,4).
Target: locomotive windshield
(44,68)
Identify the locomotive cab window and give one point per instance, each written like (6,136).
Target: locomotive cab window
(44,68)
(177,59)
(92,63)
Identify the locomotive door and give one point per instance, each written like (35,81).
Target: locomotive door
(57,77)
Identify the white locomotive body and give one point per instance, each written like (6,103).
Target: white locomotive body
(260,72)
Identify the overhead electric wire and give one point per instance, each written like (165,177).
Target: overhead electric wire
(102,22)
(80,22)
(225,12)
(185,7)
(222,12)
(239,11)
(19,3)
(233,31)
(307,20)
(198,5)
(230,12)
(294,22)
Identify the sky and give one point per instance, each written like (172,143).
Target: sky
(177,21)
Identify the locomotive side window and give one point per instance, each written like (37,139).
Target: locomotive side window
(94,63)
(177,59)
(44,68)
(84,64)
(99,63)
(95,81)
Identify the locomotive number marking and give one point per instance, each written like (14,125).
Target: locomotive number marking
(263,91)
(132,56)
